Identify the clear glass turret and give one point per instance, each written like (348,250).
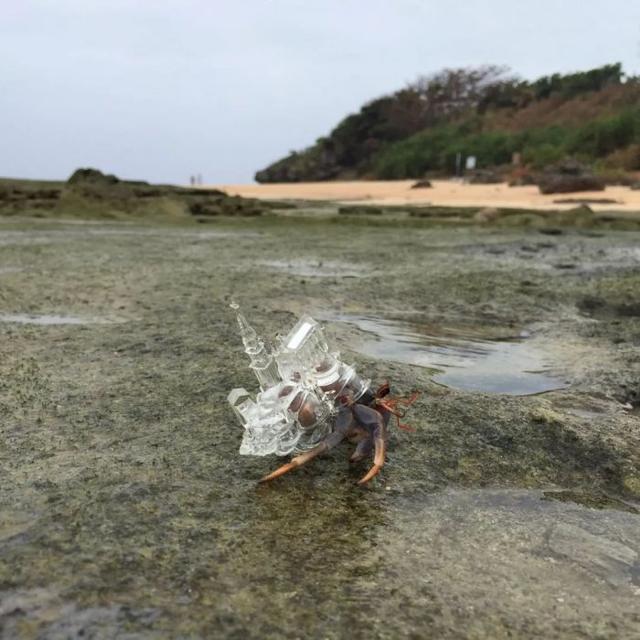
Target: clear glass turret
(262,360)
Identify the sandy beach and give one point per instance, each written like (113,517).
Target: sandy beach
(443,193)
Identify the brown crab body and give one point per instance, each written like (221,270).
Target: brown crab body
(364,422)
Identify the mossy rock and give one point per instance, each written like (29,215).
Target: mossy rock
(92,176)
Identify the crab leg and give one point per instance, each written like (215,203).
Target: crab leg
(344,423)
(363,449)
(380,440)
(376,422)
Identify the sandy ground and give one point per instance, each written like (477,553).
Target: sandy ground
(443,193)
(127,512)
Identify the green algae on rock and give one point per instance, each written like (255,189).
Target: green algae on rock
(127,511)
(89,193)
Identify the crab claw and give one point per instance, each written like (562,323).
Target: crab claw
(372,473)
(380,442)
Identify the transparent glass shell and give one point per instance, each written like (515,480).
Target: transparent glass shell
(301,384)
(241,403)
(302,350)
(269,427)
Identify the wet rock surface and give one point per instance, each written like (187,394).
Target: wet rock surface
(127,511)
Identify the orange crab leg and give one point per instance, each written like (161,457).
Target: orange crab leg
(378,461)
(375,421)
(344,424)
(296,462)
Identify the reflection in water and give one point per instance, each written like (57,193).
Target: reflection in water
(462,359)
(303,549)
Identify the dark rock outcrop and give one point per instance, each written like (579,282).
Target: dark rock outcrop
(91,176)
(568,177)
(90,193)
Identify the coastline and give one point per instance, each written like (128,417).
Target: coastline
(442,193)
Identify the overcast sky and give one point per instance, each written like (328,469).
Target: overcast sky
(159,90)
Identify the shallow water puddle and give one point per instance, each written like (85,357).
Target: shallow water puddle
(462,359)
(317,268)
(47,319)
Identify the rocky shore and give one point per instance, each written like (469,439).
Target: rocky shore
(128,512)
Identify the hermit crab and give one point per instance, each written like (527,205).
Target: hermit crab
(310,401)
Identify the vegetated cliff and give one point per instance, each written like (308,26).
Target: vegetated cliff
(593,116)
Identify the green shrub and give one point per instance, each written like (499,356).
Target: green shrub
(436,148)
(424,126)
(543,155)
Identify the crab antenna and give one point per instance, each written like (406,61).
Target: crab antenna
(262,360)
